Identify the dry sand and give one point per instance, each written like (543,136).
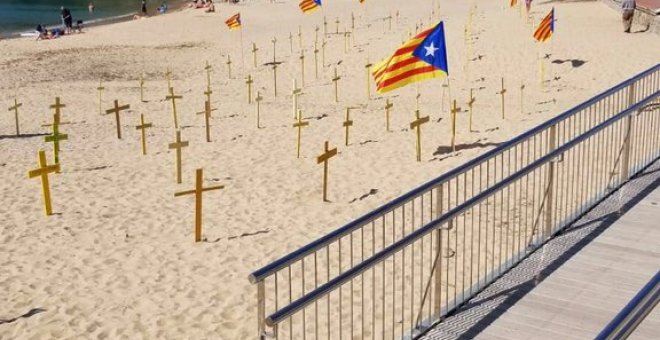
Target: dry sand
(118,260)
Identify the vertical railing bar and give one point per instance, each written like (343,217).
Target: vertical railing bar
(373,280)
(383,275)
(341,289)
(303,294)
(472,211)
(412,270)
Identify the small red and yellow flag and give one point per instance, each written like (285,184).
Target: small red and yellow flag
(513,3)
(546,27)
(309,6)
(234,22)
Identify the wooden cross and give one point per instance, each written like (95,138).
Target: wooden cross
(352,21)
(325,26)
(367,66)
(417,96)
(502,92)
(323,53)
(316,34)
(142,87)
(42,171)
(388,107)
(302,66)
(470,105)
(55,138)
(323,158)
(300,40)
(274,41)
(417,124)
(347,123)
(258,100)
(143,127)
(254,54)
(336,81)
(295,92)
(208,68)
(522,96)
(346,35)
(15,109)
(208,94)
(173,98)
(57,106)
(316,60)
(299,124)
(249,82)
(178,145)
(116,110)
(168,75)
(100,89)
(228,66)
(390,18)
(275,78)
(199,189)
(454,110)
(207,118)
(337,22)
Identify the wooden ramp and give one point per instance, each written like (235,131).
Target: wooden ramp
(579,281)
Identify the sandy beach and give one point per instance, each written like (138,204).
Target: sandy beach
(117,259)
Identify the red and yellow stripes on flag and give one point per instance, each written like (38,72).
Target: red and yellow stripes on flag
(309,6)
(513,3)
(402,68)
(546,27)
(234,22)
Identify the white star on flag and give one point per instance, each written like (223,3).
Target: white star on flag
(430,50)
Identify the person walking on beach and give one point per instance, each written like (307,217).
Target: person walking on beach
(91,8)
(67,20)
(628,7)
(144,7)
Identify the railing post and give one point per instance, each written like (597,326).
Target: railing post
(261,309)
(552,145)
(625,161)
(437,294)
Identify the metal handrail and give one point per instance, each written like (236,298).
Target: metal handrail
(281,263)
(338,281)
(634,312)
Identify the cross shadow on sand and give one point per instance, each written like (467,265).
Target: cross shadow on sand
(443,149)
(27,135)
(30,313)
(575,63)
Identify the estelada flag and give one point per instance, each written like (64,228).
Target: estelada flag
(420,58)
(234,22)
(546,27)
(309,6)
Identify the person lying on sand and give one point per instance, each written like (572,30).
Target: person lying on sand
(211,7)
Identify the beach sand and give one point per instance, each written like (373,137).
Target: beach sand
(117,260)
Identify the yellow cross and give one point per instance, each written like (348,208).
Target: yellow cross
(100,89)
(142,87)
(15,109)
(168,75)
(454,110)
(323,158)
(417,124)
(295,93)
(229,66)
(143,127)
(367,66)
(275,78)
(470,105)
(274,41)
(316,60)
(502,92)
(173,98)
(337,22)
(325,26)
(388,107)
(207,118)
(522,96)
(347,123)
(116,110)
(299,124)
(258,100)
(323,43)
(300,39)
(302,66)
(352,21)
(249,82)
(55,138)
(291,42)
(178,145)
(43,171)
(57,106)
(254,54)
(199,189)
(336,81)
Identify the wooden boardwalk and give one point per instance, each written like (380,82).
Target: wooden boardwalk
(576,284)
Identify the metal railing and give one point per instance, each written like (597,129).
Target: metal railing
(399,269)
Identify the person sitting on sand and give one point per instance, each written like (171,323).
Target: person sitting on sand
(163,8)
(211,7)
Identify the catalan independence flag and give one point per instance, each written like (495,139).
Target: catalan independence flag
(234,22)
(309,6)
(546,27)
(420,58)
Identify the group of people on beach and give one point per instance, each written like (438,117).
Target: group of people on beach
(208,4)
